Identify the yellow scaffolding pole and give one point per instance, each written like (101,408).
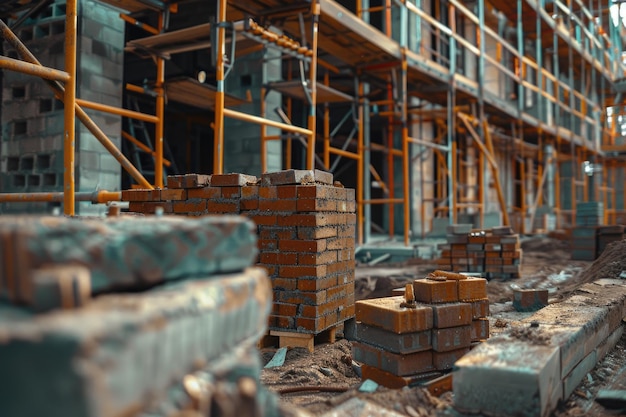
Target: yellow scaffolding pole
(69,101)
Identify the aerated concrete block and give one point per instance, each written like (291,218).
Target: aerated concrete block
(508,377)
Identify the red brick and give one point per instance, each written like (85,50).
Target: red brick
(249,192)
(326,257)
(301,297)
(231,192)
(267,244)
(188,181)
(150,207)
(264,220)
(386,313)
(402,365)
(173,194)
(190,206)
(232,180)
(309,233)
(268,192)
(283,309)
(278,205)
(317,284)
(493,261)
(285,284)
(140,195)
(312,219)
(480,308)
(511,246)
(273,232)
(337,243)
(480,329)
(304,246)
(249,205)
(282,322)
(472,289)
(310,325)
(313,191)
(346,231)
(318,311)
(345,255)
(287,191)
(444,361)
(209,193)
(452,338)
(493,247)
(451,315)
(316,204)
(340,291)
(226,208)
(429,291)
(297,176)
(336,267)
(476,239)
(389,380)
(493,239)
(302,271)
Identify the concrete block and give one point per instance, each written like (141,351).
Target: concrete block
(508,377)
(453,338)
(472,289)
(401,365)
(459,229)
(405,343)
(429,291)
(387,313)
(571,381)
(451,315)
(131,252)
(443,361)
(100,360)
(529,299)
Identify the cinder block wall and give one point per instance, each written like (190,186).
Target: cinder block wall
(32,119)
(306,230)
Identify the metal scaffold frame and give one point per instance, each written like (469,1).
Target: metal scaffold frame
(465,123)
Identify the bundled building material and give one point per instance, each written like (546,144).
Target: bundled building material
(494,253)
(403,340)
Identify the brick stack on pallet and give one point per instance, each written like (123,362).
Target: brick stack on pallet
(407,339)
(493,253)
(306,230)
(110,317)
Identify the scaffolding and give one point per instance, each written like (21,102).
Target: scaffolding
(495,105)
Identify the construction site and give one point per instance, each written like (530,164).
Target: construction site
(298,208)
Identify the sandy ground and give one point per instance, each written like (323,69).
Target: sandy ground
(317,383)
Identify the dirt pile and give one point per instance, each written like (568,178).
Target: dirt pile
(610,264)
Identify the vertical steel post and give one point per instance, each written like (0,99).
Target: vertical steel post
(69,100)
(160,114)
(315,11)
(218,132)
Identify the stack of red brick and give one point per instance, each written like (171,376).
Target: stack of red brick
(306,230)
(403,340)
(495,253)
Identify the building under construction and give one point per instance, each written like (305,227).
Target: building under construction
(439,112)
(258,160)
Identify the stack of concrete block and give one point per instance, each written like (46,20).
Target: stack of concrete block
(529,369)
(119,254)
(589,216)
(494,253)
(32,119)
(190,298)
(306,230)
(405,339)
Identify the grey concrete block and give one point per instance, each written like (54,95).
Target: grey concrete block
(129,252)
(571,381)
(393,342)
(453,338)
(100,360)
(509,378)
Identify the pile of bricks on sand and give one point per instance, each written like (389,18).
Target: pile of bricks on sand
(131,316)
(494,253)
(538,362)
(405,339)
(306,229)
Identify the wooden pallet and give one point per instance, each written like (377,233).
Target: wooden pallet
(294,339)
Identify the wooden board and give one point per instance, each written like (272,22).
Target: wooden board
(193,93)
(304,340)
(325,94)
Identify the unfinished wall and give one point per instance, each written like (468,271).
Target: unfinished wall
(32,120)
